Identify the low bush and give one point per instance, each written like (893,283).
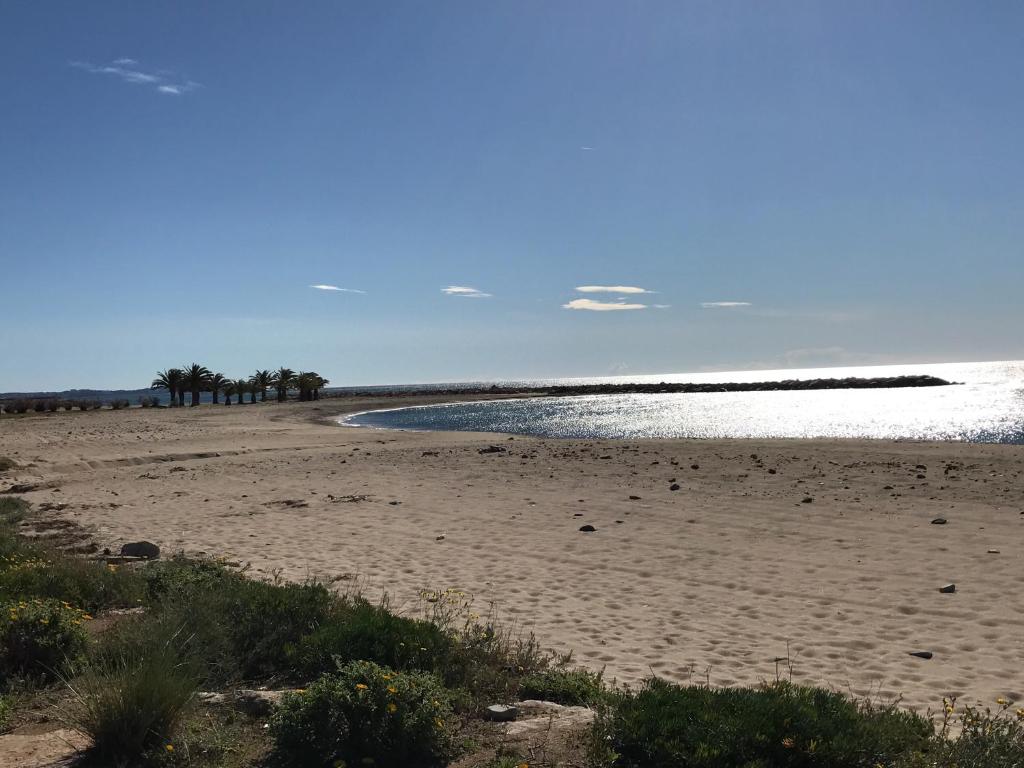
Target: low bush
(38,638)
(117,405)
(67,405)
(52,406)
(33,572)
(18,406)
(565,686)
(975,738)
(773,726)
(246,629)
(6,464)
(39,406)
(130,702)
(6,710)
(365,714)
(359,630)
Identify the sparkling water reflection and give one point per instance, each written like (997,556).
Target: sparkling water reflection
(986,406)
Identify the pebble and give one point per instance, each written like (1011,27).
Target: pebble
(948,589)
(587,528)
(674,487)
(921,654)
(939,521)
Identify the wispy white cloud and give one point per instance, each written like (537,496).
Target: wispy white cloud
(661,306)
(611,289)
(601,306)
(176,89)
(323,287)
(127,71)
(465,291)
(724,304)
(587,149)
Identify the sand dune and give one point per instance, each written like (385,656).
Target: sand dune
(819,556)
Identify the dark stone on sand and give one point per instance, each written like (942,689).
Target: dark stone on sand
(674,487)
(492,449)
(587,528)
(939,521)
(144,549)
(772,471)
(501,713)
(637,498)
(949,589)
(806,500)
(695,466)
(921,654)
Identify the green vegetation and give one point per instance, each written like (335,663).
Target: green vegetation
(394,690)
(359,630)
(576,687)
(6,464)
(780,725)
(130,702)
(38,638)
(366,714)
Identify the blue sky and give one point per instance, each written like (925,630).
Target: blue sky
(175,176)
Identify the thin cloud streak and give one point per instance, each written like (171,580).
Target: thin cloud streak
(611,289)
(465,292)
(322,287)
(601,306)
(724,304)
(126,70)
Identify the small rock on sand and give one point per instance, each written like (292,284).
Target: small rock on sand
(948,589)
(587,528)
(921,654)
(674,487)
(939,521)
(144,549)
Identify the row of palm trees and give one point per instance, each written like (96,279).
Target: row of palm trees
(196,379)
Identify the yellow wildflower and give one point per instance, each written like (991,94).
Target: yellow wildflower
(360,687)
(169,747)
(788,743)
(1001,701)
(392,689)
(392,707)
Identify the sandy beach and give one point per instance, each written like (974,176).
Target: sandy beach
(820,551)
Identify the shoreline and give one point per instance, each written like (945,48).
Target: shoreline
(723,573)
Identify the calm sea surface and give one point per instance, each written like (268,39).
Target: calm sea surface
(987,405)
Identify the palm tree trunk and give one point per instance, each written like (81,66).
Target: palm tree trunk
(215,396)
(252,396)
(195,398)
(263,395)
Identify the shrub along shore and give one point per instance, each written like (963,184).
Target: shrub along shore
(125,648)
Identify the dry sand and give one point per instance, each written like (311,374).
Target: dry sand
(714,581)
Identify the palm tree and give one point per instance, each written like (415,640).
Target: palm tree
(304,383)
(241,387)
(196,379)
(218,383)
(229,390)
(262,380)
(171,380)
(281,380)
(319,382)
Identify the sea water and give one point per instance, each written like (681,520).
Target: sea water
(985,405)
